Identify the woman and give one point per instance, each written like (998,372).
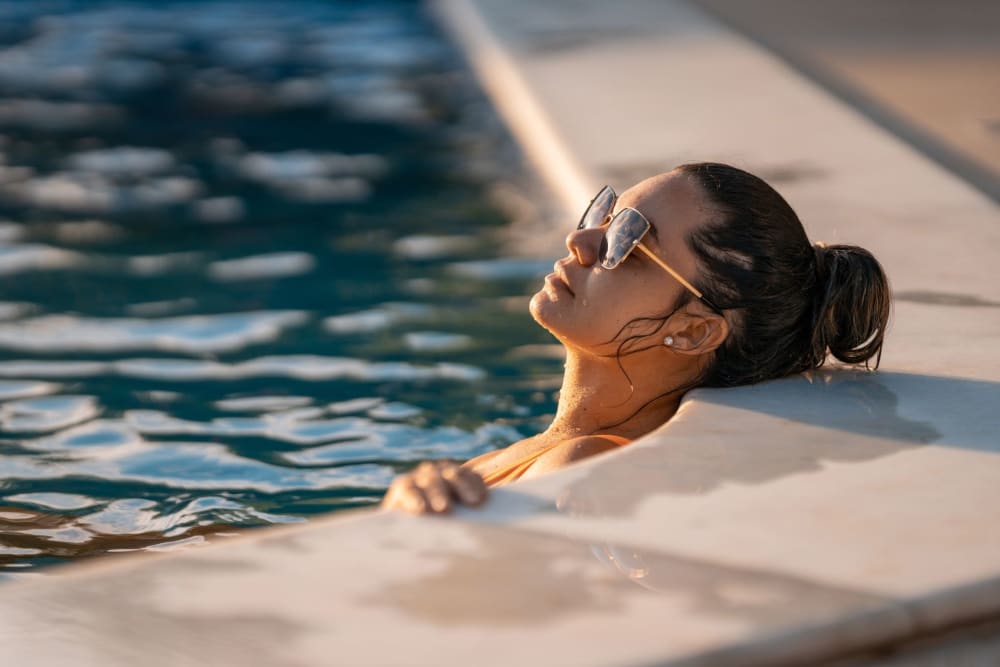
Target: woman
(699,277)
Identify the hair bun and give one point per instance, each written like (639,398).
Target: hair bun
(852,304)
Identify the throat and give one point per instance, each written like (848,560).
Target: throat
(598,398)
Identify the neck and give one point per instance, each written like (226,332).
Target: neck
(596,396)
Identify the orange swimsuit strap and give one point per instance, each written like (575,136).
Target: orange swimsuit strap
(514,471)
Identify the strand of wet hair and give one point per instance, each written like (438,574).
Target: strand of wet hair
(683,388)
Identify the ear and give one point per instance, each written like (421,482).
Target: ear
(697,331)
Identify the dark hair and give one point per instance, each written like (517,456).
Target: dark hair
(788,303)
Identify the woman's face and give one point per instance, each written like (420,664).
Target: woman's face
(586,306)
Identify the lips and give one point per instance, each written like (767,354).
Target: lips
(557,279)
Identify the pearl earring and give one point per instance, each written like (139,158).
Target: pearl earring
(668,341)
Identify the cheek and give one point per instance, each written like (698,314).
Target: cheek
(603,306)
(634,299)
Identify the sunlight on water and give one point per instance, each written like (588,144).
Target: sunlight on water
(249,269)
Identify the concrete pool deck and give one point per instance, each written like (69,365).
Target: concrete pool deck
(805,521)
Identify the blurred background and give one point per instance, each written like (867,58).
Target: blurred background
(255,260)
(928,72)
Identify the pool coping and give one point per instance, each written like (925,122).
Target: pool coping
(532,58)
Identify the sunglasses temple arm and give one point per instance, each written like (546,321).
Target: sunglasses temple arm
(691,288)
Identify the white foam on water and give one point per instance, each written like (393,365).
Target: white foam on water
(296,414)
(99,438)
(156,422)
(313,176)
(286,428)
(35,257)
(95,192)
(159,192)
(383,316)
(213,466)
(184,465)
(48,413)
(262,267)
(11,231)
(88,231)
(11,389)
(53,369)
(18,551)
(354,405)
(65,191)
(325,189)
(289,166)
(394,411)
(54,500)
(436,341)
(191,334)
(404,443)
(170,369)
(123,161)
(68,535)
(425,246)
(367,95)
(262,403)
(11,310)
(378,43)
(155,265)
(126,516)
(158,396)
(300,367)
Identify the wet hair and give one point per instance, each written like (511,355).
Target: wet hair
(788,303)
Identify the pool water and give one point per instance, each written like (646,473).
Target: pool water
(251,267)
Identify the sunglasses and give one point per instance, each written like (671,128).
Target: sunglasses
(623,234)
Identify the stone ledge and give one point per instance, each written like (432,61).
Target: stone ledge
(780,524)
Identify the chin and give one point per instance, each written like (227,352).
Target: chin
(547,313)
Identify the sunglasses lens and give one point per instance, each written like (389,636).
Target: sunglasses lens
(598,210)
(624,233)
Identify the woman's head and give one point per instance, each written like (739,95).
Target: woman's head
(788,302)
(602,307)
(778,303)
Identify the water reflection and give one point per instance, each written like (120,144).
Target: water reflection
(239,244)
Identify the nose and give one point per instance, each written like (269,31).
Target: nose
(585,244)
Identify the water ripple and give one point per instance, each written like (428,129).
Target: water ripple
(193,333)
(46,414)
(253,269)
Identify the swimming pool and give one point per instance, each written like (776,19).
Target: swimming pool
(251,269)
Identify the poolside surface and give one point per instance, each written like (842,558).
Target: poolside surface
(794,522)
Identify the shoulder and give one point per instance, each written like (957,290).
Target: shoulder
(485,463)
(574,449)
(476,462)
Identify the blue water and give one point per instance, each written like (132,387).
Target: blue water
(251,267)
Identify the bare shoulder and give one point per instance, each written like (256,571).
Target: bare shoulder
(485,463)
(477,462)
(573,449)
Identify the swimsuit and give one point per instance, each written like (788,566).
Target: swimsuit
(513,472)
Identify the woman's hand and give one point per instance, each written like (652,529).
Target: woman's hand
(435,487)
